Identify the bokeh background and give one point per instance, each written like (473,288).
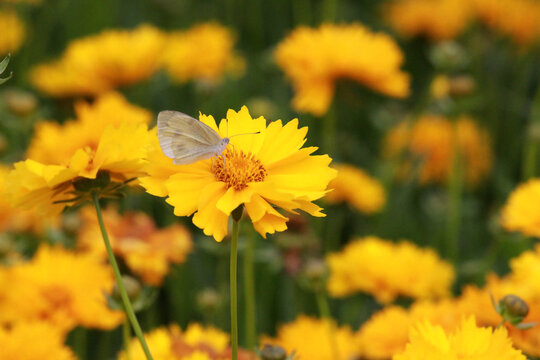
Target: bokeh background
(432,121)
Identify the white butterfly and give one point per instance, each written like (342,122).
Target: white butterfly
(187,140)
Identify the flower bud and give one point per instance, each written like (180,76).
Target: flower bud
(208,300)
(448,56)
(20,102)
(515,306)
(273,352)
(462,85)
(133,288)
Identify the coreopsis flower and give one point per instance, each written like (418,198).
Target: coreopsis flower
(518,19)
(60,287)
(18,220)
(146,250)
(354,186)
(13,34)
(309,339)
(314,59)
(36,340)
(98,63)
(469,341)
(55,144)
(82,156)
(197,342)
(257,171)
(431,144)
(387,270)
(181,57)
(436,19)
(522,209)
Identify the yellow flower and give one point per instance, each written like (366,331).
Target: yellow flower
(13,34)
(60,287)
(519,19)
(522,209)
(436,19)
(147,251)
(55,144)
(309,339)
(257,171)
(195,343)
(33,341)
(119,157)
(182,56)
(95,64)
(440,87)
(314,59)
(433,140)
(357,188)
(388,270)
(429,341)
(18,220)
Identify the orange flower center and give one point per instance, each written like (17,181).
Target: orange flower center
(237,169)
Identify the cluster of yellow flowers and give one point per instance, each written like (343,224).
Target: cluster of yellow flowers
(354,186)
(447,19)
(147,251)
(197,342)
(11,40)
(388,270)
(308,57)
(96,64)
(438,19)
(427,149)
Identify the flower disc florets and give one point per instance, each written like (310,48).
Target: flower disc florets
(237,169)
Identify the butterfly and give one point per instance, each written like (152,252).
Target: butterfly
(187,140)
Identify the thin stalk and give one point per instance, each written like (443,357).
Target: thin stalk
(329,11)
(234,290)
(324,312)
(530,153)
(126,334)
(249,291)
(453,224)
(128,308)
(329,131)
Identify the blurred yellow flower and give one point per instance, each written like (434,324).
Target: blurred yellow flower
(314,59)
(147,251)
(309,339)
(355,187)
(55,144)
(429,341)
(13,34)
(257,171)
(522,209)
(33,341)
(60,287)
(518,19)
(440,87)
(95,64)
(119,157)
(197,342)
(204,52)
(436,19)
(387,270)
(18,220)
(433,140)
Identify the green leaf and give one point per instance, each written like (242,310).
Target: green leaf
(525,326)
(6,79)
(4,63)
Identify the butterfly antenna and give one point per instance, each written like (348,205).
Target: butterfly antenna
(252,133)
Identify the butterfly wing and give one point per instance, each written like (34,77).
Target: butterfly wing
(185,139)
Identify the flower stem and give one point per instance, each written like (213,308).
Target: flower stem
(329,131)
(249,291)
(329,10)
(530,153)
(123,294)
(234,290)
(324,312)
(453,224)
(126,334)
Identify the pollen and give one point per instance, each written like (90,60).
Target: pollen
(237,169)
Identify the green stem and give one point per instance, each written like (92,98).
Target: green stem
(329,10)
(324,312)
(453,224)
(123,294)
(249,292)
(329,131)
(126,335)
(530,152)
(234,290)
